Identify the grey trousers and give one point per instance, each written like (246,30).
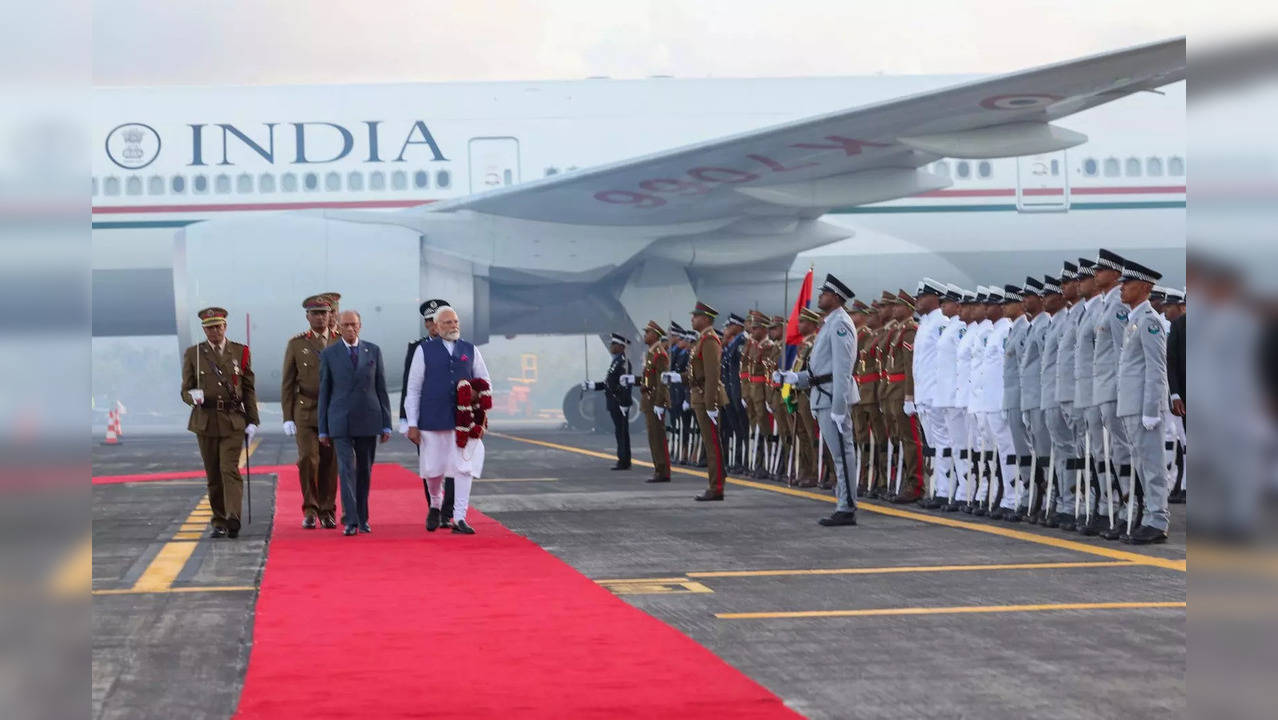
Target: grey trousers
(843,450)
(1092,429)
(1061,430)
(1120,453)
(1148,458)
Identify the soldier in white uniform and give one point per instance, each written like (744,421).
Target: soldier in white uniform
(982,441)
(928,305)
(954,419)
(1055,413)
(1087,419)
(1109,338)
(1032,391)
(834,392)
(1013,343)
(1142,399)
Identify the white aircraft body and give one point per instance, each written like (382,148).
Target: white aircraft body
(595,205)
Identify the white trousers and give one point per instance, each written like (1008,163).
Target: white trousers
(938,438)
(998,437)
(956,482)
(439,456)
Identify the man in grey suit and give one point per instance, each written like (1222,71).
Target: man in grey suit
(1108,341)
(1012,346)
(829,376)
(354,414)
(1086,411)
(1142,400)
(1031,367)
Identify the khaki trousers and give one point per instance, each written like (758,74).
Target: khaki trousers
(221,456)
(317,472)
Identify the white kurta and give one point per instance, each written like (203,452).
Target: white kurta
(438,453)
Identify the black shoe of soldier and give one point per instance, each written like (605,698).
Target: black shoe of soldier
(432,520)
(232,532)
(708,496)
(980,511)
(840,517)
(308,522)
(1052,520)
(461,528)
(1012,515)
(952,507)
(620,466)
(328,521)
(1091,528)
(1176,497)
(934,503)
(658,479)
(1114,533)
(1146,535)
(217,532)
(1065,521)
(969,508)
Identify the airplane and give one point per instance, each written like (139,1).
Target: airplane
(587,206)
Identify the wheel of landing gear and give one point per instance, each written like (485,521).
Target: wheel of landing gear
(579,409)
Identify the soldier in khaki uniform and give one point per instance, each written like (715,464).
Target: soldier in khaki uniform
(778,420)
(866,377)
(898,371)
(705,390)
(805,421)
(754,396)
(333,311)
(299,399)
(217,382)
(654,396)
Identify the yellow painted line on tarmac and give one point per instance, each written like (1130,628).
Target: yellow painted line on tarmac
(681,578)
(875,612)
(912,569)
(75,574)
(1062,543)
(214,588)
(247,452)
(164,567)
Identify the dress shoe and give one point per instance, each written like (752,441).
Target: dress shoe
(809,483)
(708,496)
(350,530)
(933,503)
(1176,497)
(432,520)
(840,517)
(1146,535)
(232,532)
(970,508)
(328,521)
(217,532)
(461,528)
(1052,520)
(1012,515)
(1113,533)
(952,507)
(308,522)
(364,528)
(904,499)
(980,511)
(619,466)
(658,479)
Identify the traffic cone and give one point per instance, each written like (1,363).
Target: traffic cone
(112,434)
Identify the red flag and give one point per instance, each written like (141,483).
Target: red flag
(792,335)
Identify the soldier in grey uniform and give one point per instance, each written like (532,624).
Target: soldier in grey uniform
(1014,310)
(1032,391)
(1055,427)
(834,392)
(1087,419)
(1109,338)
(1060,386)
(1142,399)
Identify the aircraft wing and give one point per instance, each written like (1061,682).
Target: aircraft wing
(868,154)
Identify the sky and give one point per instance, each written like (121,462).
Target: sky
(221,42)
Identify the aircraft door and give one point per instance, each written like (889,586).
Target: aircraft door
(1042,182)
(494,163)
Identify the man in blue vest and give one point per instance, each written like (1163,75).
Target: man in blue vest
(427,310)
(439,365)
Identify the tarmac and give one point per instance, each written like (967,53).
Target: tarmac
(910,614)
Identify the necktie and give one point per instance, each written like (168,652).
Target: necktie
(354,357)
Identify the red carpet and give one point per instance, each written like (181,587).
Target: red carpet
(402,623)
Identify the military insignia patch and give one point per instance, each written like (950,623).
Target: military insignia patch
(1154,329)
(841,332)
(1122,316)
(962,332)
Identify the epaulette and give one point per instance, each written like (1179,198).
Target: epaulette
(299,335)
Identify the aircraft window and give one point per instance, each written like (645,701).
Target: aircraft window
(1056,168)
(178,184)
(507,177)
(1133,167)
(155,185)
(1111,167)
(983,169)
(1176,165)
(421,179)
(1154,167)
(95,187)
(310,181)
(552,171)
(1089,167)
(111,186)
(133,185)
(222,184)
(376,180)
(200,184)
(443,179)
(964,170)
(288,182)
(942,168)
(244,183)
(355,181)
(332,181)
(266,183)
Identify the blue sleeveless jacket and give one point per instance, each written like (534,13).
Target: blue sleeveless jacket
(439,390)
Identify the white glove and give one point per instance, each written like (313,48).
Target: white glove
(686,406)
(776,376)
(767,407)
(910,410)
(1025,418)
(713,414)
(743,404)
(675,378)
(586,386)
(250,430)
(838,419)
(660,412)
(627,380)
(790,377)
(1150,422)
(290,428)
(403,426)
